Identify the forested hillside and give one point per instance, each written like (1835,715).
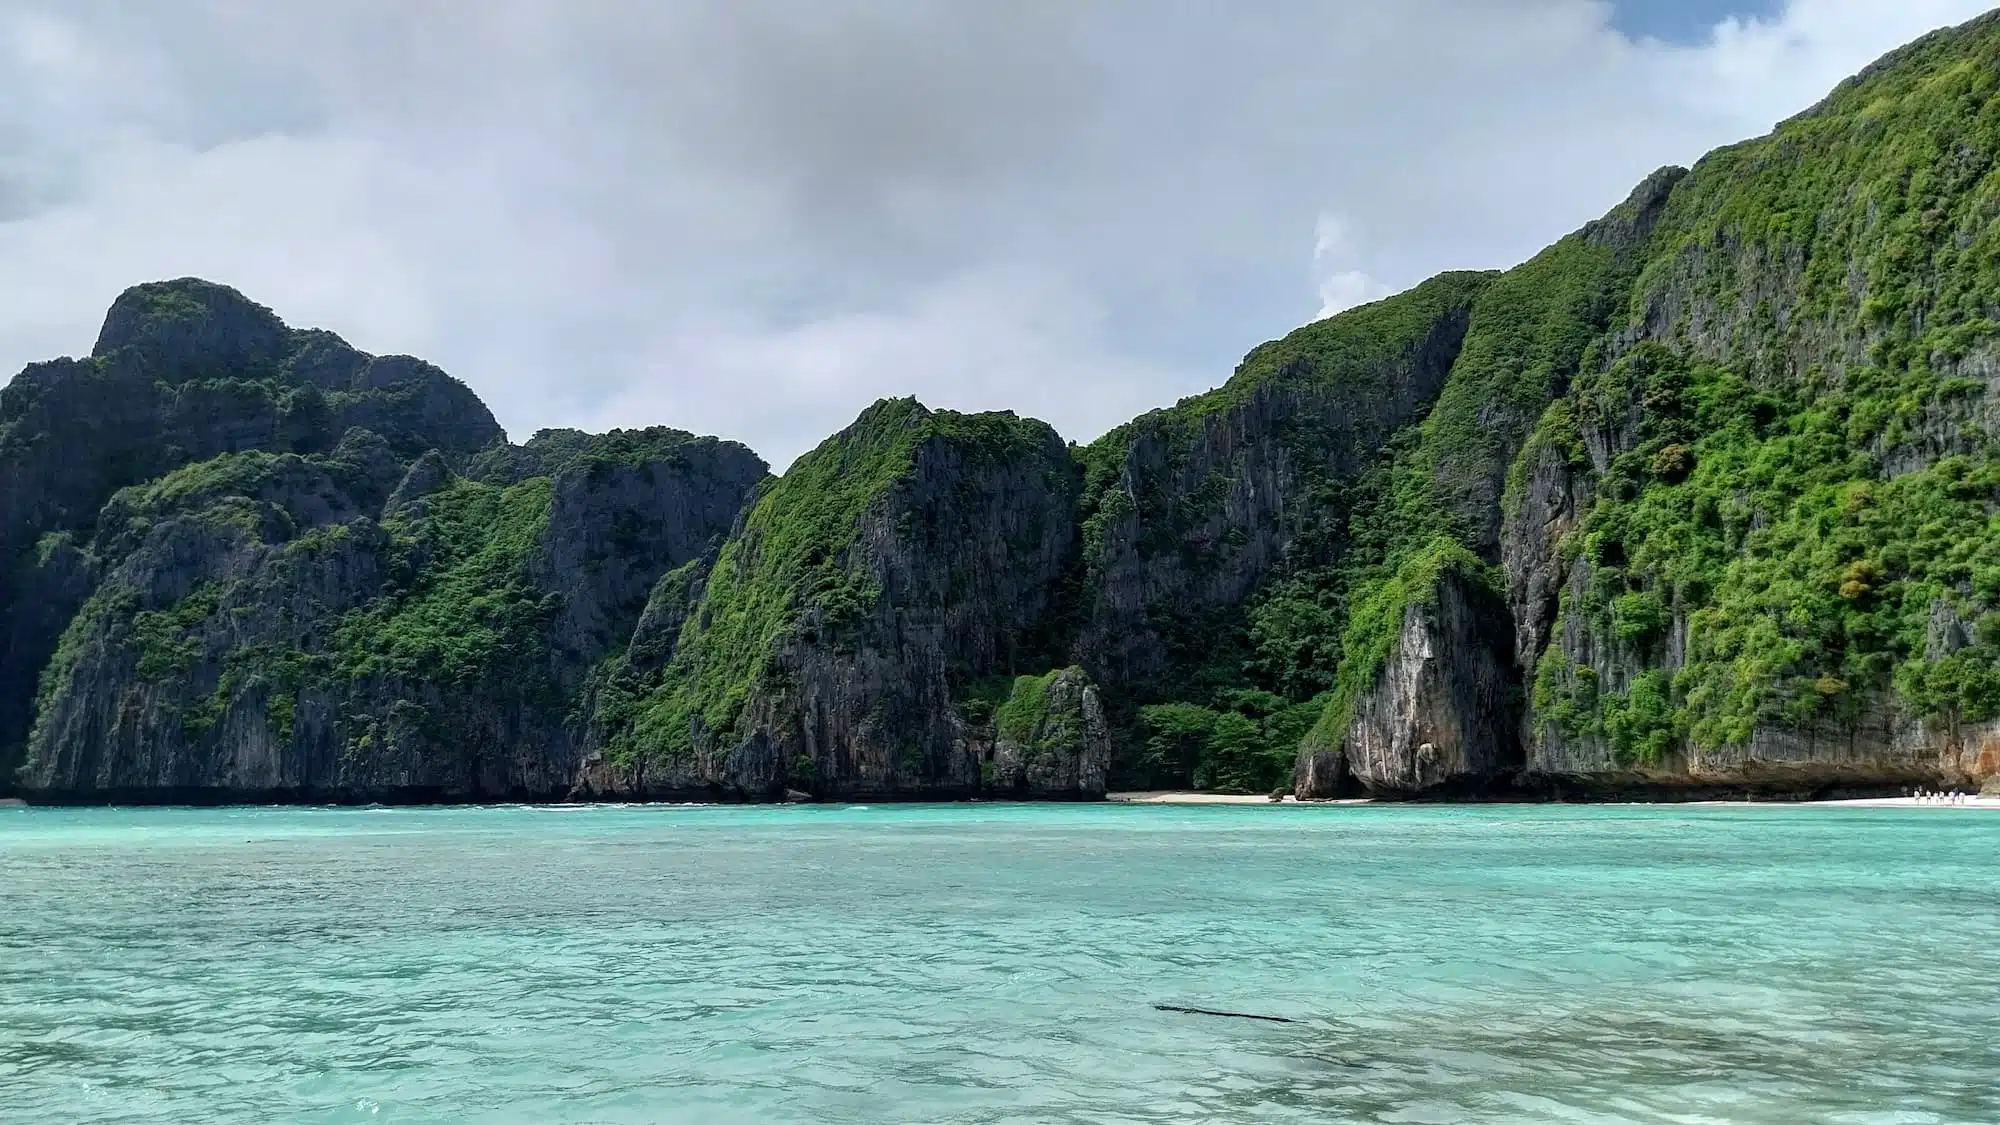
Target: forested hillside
(1703,498)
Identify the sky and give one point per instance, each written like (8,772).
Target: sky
(1685,22)
(754,217)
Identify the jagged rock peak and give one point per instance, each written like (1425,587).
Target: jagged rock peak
(428,474)
(184,325)
(1631,222)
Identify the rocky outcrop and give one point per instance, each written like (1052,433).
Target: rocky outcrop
(911,555)
(265,636)
(1189,510)
(1049,739)
(1883,750)
(1436,717)
(183,371)
(641,505)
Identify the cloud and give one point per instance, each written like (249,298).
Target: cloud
(753,217)
(1340,287)
(997,341)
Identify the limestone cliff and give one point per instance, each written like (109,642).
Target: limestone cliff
(910,556)
(1435,716)
(335,627)
(1700,499)
(1188,510)
(1749,548)
(183,371)
(1047,738)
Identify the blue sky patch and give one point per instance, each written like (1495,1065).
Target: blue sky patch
(1683,21)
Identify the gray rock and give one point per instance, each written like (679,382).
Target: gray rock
(1437,718)
(1065,753)
(209,665)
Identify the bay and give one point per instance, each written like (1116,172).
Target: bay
(1000,963)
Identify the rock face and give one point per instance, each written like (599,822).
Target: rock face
(1189,510)
(1698,500)
(1693,623)
(183,371)
(357,623)
(906,558)
(1436,718)
(1049,739)
(1736,476)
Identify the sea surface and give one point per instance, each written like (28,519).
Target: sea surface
(1000,963)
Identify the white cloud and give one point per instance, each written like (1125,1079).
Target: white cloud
(998,341)
(1340,287)
(1763,70)
(753,217)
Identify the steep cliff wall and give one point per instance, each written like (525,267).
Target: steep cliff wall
(1700,499)
(1189,509)
(182,372)
(1215,533)
(908,557)
(1750,550)
(335,627)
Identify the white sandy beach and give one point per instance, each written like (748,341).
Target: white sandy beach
(1895,803)
(1181,797)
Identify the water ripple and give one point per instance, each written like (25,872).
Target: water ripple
(998,964)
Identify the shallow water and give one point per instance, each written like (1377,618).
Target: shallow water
(999,964)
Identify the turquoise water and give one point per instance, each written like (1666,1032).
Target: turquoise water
(999,964)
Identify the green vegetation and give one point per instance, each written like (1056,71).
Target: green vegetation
(240,474)
(1376,623)
(1822,525)
(1025,708)
(1247,745)
(107,608)
(790,574)
(165,638)
(1020,712)
(551,452)
(1808,576)
(160,303)
(460,608)
(615,691)
(51,546)
(1529,332)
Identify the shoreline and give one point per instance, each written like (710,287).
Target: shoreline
(1972,802)
(1129,797)
(1192,797)
(1196,797)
